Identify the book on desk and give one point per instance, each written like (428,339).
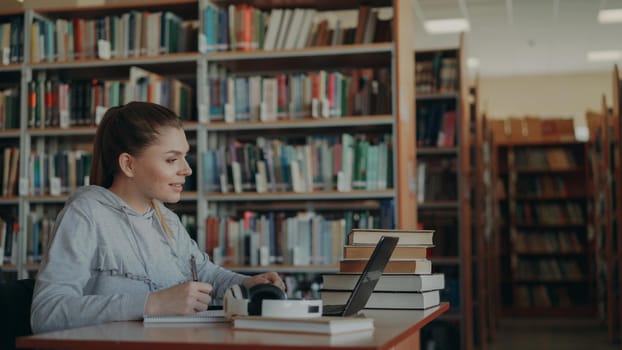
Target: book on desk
(318,325)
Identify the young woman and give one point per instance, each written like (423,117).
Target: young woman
(116,252)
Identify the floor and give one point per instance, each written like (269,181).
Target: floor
(548,334)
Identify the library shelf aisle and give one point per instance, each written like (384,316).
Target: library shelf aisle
(444,183)
(52,68)
(548,255)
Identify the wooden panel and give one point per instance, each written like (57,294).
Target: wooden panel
(405,139)
(617,119)
(611,298)
(466,290)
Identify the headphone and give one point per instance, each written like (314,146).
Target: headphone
(267,300)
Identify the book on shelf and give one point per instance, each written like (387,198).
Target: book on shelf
(362,251)
(130,34)
(319,325)
(234,28)
(403,282)
(417,266)
(371,236)
(387,300)
(9,108)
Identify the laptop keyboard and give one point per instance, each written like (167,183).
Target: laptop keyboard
(329,310)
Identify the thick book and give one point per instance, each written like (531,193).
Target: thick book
(406,237)
(208,316)
(319,325)
(387,300)
(388,283)
(363,251)
(418,266)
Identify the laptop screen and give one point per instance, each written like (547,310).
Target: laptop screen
(371,275)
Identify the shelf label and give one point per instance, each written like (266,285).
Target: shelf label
(325,108)
(64,118)
(23,186)
(217,257)
(103,49)
(99,113)
(224,186)
(202,43)
(292,109)
(6,55)
(203,118)
(263,111)
(264,256)
(315,108)
(55,186)
(229,113)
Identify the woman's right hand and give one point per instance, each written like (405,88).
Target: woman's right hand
(183,299)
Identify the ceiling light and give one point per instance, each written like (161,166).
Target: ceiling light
(449,25)
(610,16)
(472,62)
(606,55)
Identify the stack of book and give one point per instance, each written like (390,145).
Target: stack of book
(407,281)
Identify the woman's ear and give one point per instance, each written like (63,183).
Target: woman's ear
(126,164)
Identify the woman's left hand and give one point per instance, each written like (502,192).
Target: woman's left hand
(268,277)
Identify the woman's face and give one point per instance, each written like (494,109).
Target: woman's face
(161,169)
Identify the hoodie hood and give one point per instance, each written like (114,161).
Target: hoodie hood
(143,234)
(108,199)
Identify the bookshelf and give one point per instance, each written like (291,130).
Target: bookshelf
(548,253)
(311,204)
(383,63)
(11,23)
(444,142)
(617,159)
(70,65)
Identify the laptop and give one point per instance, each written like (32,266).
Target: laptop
(367,281)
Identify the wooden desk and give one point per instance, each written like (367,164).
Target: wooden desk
(394,329)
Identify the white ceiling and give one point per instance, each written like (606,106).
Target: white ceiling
(511,37)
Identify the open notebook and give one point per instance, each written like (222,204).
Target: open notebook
(209,316)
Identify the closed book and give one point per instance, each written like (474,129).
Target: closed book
(319,325)
(388,283)
(400,252)
(386,300)
(371,236)
(420,266)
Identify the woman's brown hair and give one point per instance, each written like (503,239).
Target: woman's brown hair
(128,129)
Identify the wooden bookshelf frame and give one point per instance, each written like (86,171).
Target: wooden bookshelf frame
(461,206)
(480,203)
(617,126)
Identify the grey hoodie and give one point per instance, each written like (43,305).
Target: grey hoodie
(104,258)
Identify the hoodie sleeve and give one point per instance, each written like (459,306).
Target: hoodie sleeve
(58,300)
(220,278)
